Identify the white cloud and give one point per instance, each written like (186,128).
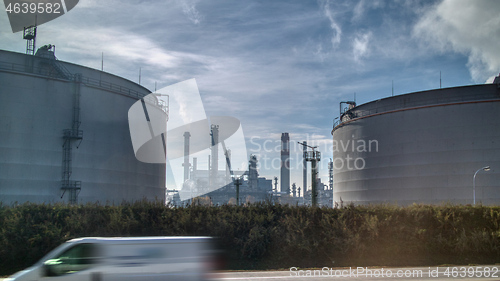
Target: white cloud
(468,27)
(228,106)
(319,52)
(360,45)
(88,3)
(123,48)
(189,9)
(359,10)
(337,32)
(363,6)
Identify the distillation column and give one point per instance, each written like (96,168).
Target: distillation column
(253,175)
(304,166)
(215,155)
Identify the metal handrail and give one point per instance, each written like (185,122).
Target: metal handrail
(357,113)
(336,123)
(43,71)
(111,86)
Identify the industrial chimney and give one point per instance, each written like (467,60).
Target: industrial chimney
(285,163)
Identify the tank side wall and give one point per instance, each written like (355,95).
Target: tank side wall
(34,111)
(427,155)
(33,114)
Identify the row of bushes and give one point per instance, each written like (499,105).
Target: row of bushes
(266,236)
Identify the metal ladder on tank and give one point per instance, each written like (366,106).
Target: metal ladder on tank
(53,63)
(62,70)
(70,136)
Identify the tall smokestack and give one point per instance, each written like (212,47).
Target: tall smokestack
(330,174)
(186,164)
(215,154)
(285,163)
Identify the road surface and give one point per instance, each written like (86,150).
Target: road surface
(486,272)
(409,273)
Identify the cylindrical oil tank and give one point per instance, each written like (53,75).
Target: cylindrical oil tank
(64,134)
(422,147)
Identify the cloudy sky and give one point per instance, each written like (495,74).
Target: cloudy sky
(281,66)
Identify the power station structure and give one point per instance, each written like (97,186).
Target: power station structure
(64,133)
(324,196)
(246,187)
(314,157)
(220,186)
(421,147)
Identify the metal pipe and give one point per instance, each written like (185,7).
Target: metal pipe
(314,178)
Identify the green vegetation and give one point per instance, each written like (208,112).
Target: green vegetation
(264,236)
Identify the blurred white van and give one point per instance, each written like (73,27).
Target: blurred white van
(132,258)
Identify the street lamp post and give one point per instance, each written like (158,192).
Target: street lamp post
(487,168)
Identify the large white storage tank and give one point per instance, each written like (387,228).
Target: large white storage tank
(422,147)
(64,134)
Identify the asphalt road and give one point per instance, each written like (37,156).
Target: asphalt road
(486,272)
(410,273)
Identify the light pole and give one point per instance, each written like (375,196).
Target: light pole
(487,168)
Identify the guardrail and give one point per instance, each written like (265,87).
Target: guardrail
(53,73)
(357,113)
(336,123)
